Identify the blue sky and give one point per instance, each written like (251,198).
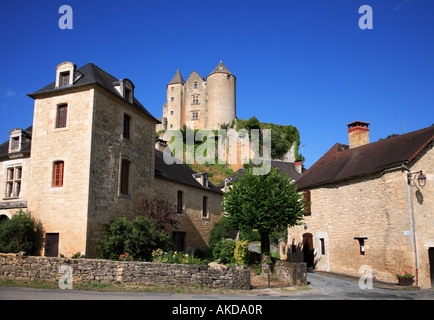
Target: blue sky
(305,63)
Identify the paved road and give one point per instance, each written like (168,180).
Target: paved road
(323,287)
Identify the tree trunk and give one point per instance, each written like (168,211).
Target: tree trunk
(265,243)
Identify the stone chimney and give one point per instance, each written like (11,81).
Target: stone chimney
(358,133)
(298,165)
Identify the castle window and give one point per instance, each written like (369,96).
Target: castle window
(171,112)
(58,171)
(172,99)
(125,176)
(195,99)
(173,88)
(195,85)
(127,123)
(64,79)
(13,182)
(195,116)
(62,111)
(229,76)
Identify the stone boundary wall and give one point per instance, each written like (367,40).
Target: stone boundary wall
(293,273)
(19,267)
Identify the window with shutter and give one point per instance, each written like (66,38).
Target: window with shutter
(58,174)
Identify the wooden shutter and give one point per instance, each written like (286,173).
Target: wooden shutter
(179,207)
(58,174)
(306,197)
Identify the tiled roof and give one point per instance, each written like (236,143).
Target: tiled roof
(90,74)
(340,162)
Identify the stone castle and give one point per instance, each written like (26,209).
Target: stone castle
(205,103)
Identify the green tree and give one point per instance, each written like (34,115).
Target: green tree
(265,203)
(138,238)
(21,233)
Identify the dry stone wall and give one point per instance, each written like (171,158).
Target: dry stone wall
(18,267)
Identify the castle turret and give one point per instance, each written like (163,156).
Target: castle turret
(173,108)
(221,97)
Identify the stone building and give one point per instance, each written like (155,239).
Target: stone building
(205,103)
(361,207)
(90,156)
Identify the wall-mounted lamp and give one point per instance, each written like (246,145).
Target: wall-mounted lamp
(421,179)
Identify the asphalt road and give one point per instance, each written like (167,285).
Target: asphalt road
(323,287)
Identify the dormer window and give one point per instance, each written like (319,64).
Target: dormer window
(15,143)
(202,178)
(15,140)
(65,74)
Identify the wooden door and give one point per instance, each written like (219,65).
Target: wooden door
(308,255)
(431,264)
(51,244)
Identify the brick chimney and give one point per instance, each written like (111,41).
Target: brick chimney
(358,133)
(298,165)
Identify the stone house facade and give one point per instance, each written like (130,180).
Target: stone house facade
(89,156)
(360,213)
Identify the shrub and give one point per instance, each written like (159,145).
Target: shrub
(221,230)
(224,251)
(241,252)
(21,233)
(175,257)
(138,238)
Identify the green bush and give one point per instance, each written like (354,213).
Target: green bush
(224,251)
(221,230)
(135,239)
(175,257)
(21,233)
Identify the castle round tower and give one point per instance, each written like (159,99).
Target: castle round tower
(220,85)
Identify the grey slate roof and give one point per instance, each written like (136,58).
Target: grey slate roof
(221,68)
(177,78)
(180,173)
(92,74)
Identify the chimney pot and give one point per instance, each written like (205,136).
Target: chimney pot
(358,133)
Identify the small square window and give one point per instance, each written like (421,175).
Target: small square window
(172,99)
(171,112)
